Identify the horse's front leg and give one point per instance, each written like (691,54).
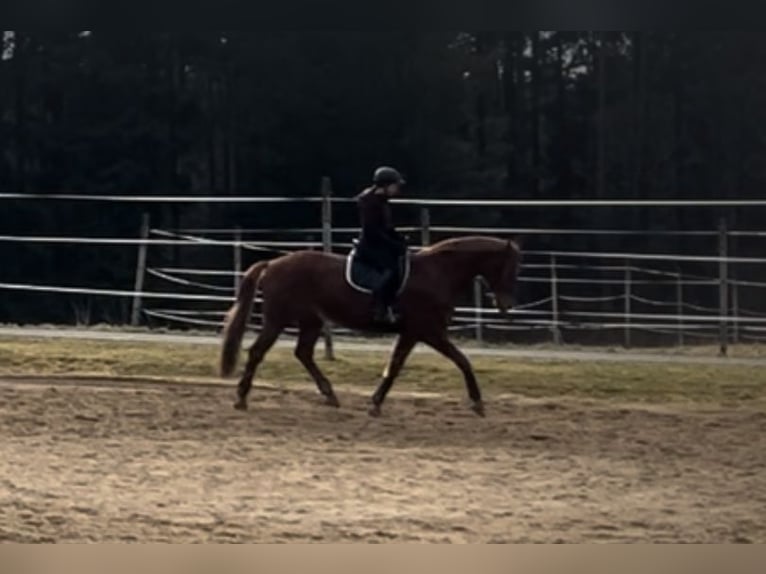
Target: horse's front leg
(444,346)
(310,331)
(402,349)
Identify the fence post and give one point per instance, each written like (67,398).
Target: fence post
(735,309)
(478,315)
(680,305)
(138,286)
(555,331)
(628,301)
(425,227)
(329,352)
(723,294)
(237,258)
(733,250)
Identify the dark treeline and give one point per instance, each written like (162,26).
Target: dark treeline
(529,114)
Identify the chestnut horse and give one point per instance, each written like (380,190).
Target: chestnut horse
(308,287)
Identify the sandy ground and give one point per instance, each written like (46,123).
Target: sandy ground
(129,461)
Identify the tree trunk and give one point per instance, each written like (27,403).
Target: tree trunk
(601,139)
(173,94)
(563,169)
(678,123)
(536,186)
(229,143)
(481,81)
(639,112)
(212,164)
(20,111)
(512,81)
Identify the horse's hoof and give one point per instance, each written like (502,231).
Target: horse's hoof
(374,411)
(478,408)
(332,401)
(241,405)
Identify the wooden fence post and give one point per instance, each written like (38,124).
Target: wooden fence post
(138,286)
(329,352)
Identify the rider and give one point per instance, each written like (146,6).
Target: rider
(383,246)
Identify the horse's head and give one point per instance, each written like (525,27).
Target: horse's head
(503,276)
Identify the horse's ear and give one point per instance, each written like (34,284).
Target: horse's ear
(517,240)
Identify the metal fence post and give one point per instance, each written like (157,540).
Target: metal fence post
(735,310)
(329,352)
(478,315)
(138,286)
(680,306)
(237,258)
(555,330)
(733,250)
(723,294)
(628,301)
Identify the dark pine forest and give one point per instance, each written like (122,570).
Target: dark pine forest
(493,114)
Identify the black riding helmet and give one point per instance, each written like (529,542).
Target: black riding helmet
(387,176)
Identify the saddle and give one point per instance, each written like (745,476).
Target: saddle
(365,278)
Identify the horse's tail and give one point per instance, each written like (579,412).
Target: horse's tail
(236,319)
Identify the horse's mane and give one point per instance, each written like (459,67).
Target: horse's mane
(470,244)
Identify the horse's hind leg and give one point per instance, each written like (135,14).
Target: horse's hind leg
(266,339)
(310,330)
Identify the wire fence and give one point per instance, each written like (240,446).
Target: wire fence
(620,293)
